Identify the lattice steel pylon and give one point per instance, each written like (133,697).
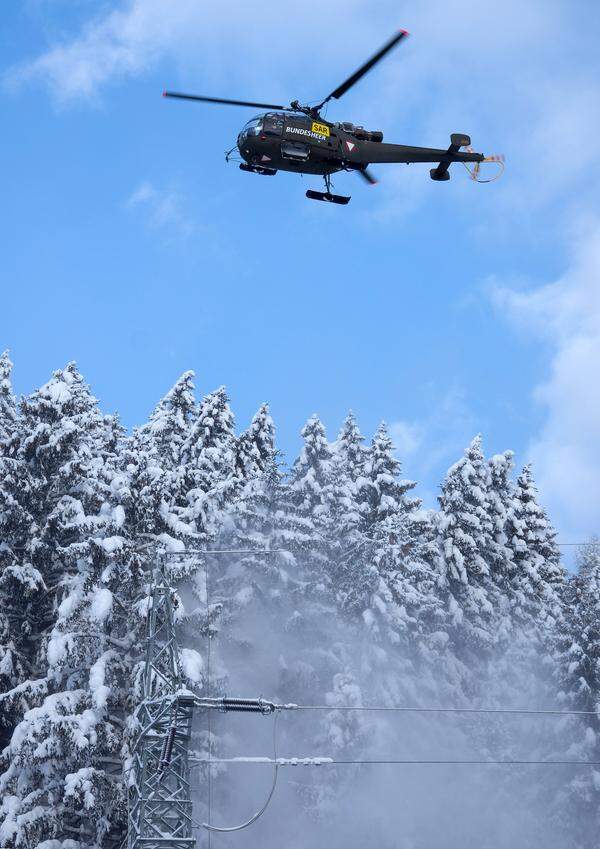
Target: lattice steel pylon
(159,795)
(160,804)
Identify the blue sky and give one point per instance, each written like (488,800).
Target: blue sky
(447,309)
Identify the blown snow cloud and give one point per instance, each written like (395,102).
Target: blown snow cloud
(565,316)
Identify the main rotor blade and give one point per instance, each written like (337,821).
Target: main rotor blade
(220,100)
(356,76)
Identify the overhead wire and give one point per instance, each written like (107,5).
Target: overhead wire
(519,711)
(324,761)
(276,763)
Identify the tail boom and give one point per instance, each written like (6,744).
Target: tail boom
(369,152)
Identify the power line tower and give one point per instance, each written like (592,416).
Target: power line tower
(160,804)
(159,796)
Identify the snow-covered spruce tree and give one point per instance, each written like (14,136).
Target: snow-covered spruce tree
(578,655)
(170,423)
(255,523)
(466,528)
(353,574)
(58,782)
(254,448)
(20,582)
(8,406)
(500,498)
(350,447)
(208,481)
(307,506)
(538,575)
(400,551)
(386,493)
(146,491)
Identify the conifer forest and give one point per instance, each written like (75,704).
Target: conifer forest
(339,590)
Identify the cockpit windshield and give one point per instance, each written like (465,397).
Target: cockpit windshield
(253,127)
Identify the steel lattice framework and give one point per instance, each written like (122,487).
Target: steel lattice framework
(160,805)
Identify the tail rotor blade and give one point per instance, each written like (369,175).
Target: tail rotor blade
(368,176)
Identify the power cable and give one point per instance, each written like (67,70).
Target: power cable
(520,711)
(276,763)
(468,762)
(324,761)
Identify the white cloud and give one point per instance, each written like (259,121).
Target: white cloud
(132,38)
(528,90)
(164,208)
(407,437)
(565,315)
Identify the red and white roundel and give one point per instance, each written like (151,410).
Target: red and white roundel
(350,145)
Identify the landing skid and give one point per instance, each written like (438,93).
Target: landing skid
(327,196)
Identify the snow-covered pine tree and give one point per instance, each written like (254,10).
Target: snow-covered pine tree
(208,482)
(538,575)
(254,523)
(59,780)
(352,575)
(500,495)
(171,422)
(580,637)
(578,645)
(386,494)
(466,529)
(20,582)
(254,448)
(8,406)
(400,550)
(541,536)
(350,446)
(308,493)
(146,491)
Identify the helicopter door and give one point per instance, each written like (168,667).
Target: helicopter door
(295,150)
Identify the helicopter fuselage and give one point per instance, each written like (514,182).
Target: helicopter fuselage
(290,141)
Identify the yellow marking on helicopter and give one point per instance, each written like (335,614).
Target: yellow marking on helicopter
(321,129)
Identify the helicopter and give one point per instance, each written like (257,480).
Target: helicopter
(299,139)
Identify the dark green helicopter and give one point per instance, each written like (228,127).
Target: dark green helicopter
(298,139)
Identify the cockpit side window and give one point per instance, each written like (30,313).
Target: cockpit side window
(273,124)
